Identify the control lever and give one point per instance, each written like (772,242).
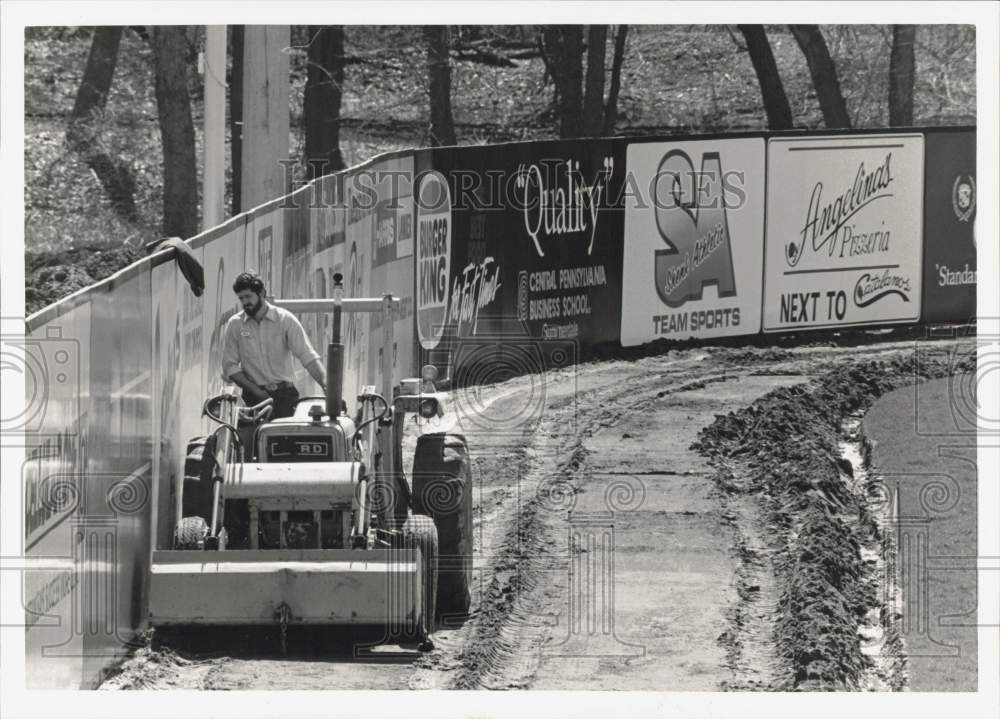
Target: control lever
(258,412)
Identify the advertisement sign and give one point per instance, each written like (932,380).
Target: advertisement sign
(563,276)
(949,292)
(844,230)
(521,238)
(461,229)
(392,263)
(433,256)
(378,259)
(694,233)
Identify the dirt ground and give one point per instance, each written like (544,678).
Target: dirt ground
(624,538)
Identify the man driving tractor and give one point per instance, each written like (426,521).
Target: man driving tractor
(258,345)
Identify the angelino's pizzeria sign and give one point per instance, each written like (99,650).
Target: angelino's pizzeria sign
(844,226)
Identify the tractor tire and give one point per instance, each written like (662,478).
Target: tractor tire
(442,490)
(199,467)
(190,533)
(419,533)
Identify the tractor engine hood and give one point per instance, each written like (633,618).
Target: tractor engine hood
(336,481)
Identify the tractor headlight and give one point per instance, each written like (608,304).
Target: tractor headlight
(428,408)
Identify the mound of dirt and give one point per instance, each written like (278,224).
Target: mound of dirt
(148,668)
(50,276)
(789,441)
(744,357)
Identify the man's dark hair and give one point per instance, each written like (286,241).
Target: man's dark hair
(249,280)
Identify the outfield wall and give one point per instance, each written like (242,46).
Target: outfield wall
(507,258)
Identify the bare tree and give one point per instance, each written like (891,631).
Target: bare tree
(593,95)
(173,103)
(438,39)
(779,114)
(236,116)
(901,74)
(824,74)
(611,107)
(321,105)
(563,46)
(83,132)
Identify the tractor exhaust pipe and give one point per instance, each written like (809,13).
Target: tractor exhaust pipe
(335,355)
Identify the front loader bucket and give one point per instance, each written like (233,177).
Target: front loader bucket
(316,586)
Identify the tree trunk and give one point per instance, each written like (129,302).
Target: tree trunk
(593,96)
(779,114)
(824,74)
(564,46)
(83,132)
(100,70)
(611,109)
(173,103)
(321,107)
(236,118)
(901,74)
(438,39)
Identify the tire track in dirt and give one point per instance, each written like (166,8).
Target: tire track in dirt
(514,538)
(530,574)
(498,652)
(672,551)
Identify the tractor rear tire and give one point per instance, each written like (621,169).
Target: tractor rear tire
(419,533)
(190,533)
(442,489)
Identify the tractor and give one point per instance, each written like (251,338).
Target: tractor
(311,519)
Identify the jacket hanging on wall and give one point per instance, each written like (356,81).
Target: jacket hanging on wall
(191,268)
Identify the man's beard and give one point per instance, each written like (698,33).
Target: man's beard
(252,310)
